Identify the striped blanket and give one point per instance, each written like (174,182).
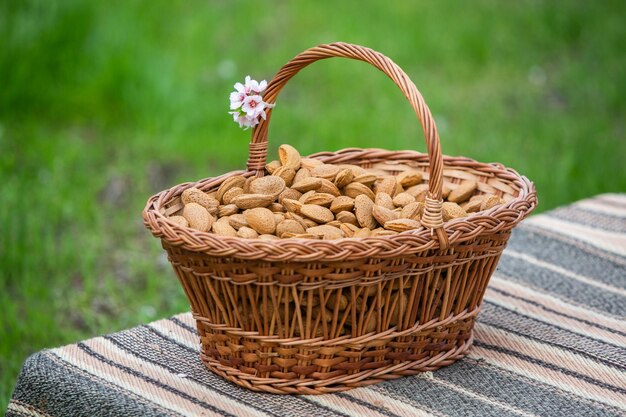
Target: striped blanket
(550,341)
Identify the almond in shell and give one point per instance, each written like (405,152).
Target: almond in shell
(347,217)
(402,225)
(344,177)
(325,232)
(179,220)
(289,156)
(248,201)
(384,215)
(386,185)
(307,184)
(198,217)
(403,199)
(287,173)
(289,193)
(270,185)
(491,202)
(288,226)
(194,195)
(320,199)
(451,211)
(230,195)
(463,191)
(301,174)
(355,189)
(261,220)
(342,203)
(363,207)
(222,227)
(409,178)
(230,182)
(247,233)
(384,200)
(317,213)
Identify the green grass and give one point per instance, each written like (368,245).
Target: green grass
(102,104)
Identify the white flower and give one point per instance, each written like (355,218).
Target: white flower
(253,105)
(248,103)
(244,121)
(236,99)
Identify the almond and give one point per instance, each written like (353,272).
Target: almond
(364,232)
(384,200)
(474,204)
(261,220)
(329,188)
(383,215)
(193,195)
(246,185)
(247,233)
(317,213)
(347,217)
(344,177)
(409,178)
(355,189)
(289,193)
(363,207)
(412,211)
(276,208)
(230,195)
(227,210)
(451,211)
(292,205)
(307,184)
(230,182)
(306,195)
(223,228)
(342,203)
(272,166)
(356,170)
(296,217)
(301,174)
(349,229)
(418,191)
(288,226)
(198,217)
(491,202)
(179,221)
(462,192)
(237,221)
(302,236)
(248,201)
(287,173)
(325,171)
(310,163)
(403,199)
(320,199)
(270,185)
(402,225)
(289,156)
(365,179)
(325,232)
(279,217)
(387,185)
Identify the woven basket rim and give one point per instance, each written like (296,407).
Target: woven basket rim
(499,218)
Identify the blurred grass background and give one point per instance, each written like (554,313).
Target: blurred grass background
(103,104)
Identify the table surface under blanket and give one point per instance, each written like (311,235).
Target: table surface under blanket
(550,340)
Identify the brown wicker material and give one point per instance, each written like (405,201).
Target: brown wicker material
(316,316)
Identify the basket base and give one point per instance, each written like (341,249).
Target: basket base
(310,386)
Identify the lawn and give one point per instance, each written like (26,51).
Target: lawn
(103,104)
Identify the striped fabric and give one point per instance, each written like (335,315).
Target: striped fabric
(550,341)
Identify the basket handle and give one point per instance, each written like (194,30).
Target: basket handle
(432,217)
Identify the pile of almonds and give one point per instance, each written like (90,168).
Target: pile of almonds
(305,198)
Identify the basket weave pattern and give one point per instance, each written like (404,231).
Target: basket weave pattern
(269,313)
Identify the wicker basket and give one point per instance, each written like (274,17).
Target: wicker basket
(412,298)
